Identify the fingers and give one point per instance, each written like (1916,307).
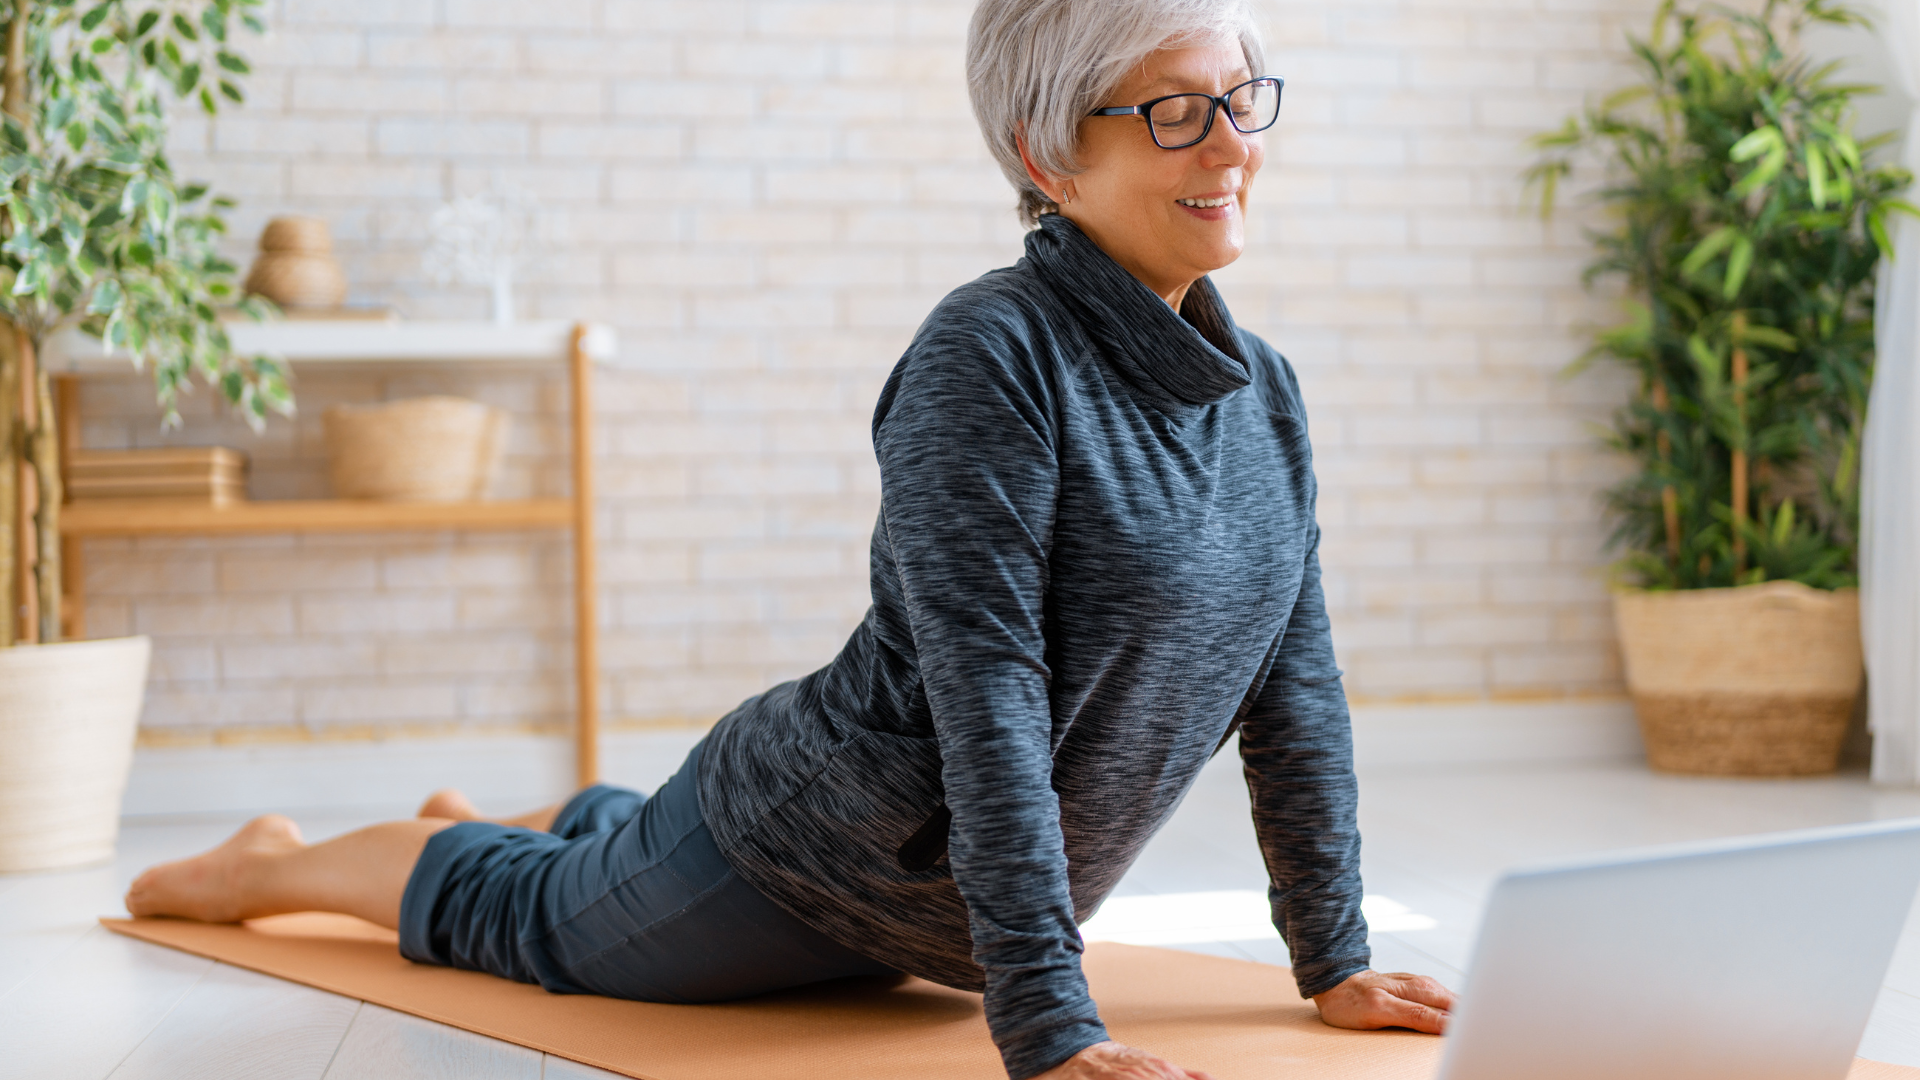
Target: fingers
(1388,1009)
(1422,989)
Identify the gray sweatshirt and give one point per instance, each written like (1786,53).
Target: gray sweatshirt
(1095,557)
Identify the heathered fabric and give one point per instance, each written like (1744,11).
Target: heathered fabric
(1095,552)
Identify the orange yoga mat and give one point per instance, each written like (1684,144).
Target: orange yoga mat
(1236,1020)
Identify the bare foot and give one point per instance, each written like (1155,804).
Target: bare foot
(449,803)
(208,886)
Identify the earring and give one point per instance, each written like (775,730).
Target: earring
(1065,198)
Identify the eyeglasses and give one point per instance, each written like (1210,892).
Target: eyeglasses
(1179,120)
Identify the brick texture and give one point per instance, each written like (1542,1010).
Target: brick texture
(764,198)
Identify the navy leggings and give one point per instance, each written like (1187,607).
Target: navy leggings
(627,896)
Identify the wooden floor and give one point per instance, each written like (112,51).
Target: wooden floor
(77,1002)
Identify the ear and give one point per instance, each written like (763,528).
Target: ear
(1047,185)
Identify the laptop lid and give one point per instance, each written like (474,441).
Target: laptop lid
(1756,958)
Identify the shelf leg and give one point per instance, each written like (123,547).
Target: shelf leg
(585,617)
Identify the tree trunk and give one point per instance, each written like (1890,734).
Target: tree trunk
(13,85)
(10,598)
(45,450)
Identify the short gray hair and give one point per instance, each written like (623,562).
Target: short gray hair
(1038,67)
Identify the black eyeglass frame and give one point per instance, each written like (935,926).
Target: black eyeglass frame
(1214,105)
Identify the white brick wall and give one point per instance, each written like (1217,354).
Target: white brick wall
(765,197)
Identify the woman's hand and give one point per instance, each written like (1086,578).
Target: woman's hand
(1370,1000)
(1111,1061)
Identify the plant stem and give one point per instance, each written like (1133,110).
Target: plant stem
(1740,452)
(1669,498)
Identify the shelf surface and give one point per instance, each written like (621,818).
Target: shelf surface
(152,517)
(346,341)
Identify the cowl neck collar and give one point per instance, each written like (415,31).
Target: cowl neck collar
(1184,359)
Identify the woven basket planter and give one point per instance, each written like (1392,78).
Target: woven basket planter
(431,449)
(68,714)
(1759,680)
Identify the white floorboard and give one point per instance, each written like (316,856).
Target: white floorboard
(559,1068)
(239,1025)
(76,1002)
(387,1045)
(82,1016)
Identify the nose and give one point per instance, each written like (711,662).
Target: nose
(1225,146)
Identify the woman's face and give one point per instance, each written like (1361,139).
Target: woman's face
(1136,200)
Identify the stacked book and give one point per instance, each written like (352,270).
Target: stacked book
(208,474)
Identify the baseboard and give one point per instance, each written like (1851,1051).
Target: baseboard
(1491,732)
(526,770)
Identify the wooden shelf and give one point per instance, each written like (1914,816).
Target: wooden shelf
(332,341)
(142,517)
(71,355)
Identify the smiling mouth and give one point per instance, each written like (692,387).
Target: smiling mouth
(1205,204)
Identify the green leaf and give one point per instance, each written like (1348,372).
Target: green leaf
(184,28)
(215,21)
(1756,142)
(77,135)
(1738,264)
(1877,228)
(232,92)
(146,23)
(1712,245)
(232,62)
(106,297)
(1816,174)
(92,19)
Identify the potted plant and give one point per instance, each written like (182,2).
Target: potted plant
(1746,223)
(95,231)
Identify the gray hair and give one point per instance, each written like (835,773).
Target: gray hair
(1037,67)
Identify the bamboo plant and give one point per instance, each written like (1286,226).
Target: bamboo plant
(1746,223)
(97,232)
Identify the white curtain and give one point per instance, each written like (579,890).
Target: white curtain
(1890,480)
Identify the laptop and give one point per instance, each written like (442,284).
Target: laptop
(1756,958)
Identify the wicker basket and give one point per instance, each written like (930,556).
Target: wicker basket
(431,449)
(1759,680)
(67,718)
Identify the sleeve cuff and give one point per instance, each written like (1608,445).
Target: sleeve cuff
(1316,979)
(1040,1048)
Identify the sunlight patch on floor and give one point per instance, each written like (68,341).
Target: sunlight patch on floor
(1223,915)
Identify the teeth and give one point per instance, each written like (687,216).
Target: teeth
(1204,203)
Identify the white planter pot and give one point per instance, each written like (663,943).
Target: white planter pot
(68,714)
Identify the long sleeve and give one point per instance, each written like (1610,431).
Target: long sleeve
(1297,743)
(968,468)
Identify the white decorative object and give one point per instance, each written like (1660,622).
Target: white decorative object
(480,240)
(68,714)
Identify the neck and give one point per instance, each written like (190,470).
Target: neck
(1171,288)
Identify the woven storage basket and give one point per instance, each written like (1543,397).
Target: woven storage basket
(431,449)
(67,718)
(1754,681)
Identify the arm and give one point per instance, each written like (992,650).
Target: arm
(968,476)
(1297,743)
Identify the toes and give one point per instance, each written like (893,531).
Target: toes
(450,803)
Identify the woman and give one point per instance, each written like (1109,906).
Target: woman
(1095,560)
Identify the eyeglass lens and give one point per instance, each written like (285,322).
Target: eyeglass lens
(1182,120)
